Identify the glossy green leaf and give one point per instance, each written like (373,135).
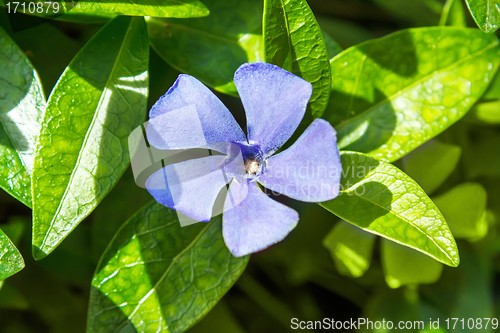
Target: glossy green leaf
(158,8)
(99,99)
(464,209)
(388,103)
(213,47)
(351,248)
(22,105)
(293,39)
(291,31)
(11,260)
(405,266)
(276,34)
(158,276)
(379,198)
(486,13)
(432,163)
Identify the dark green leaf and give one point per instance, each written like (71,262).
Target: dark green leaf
(379,198)
(276,34)
(158,276)
(11,260)
(213,47)
(405,266)
(431,164)
(351,248)
(99,99)
(388,103)
(22,105)
(464,208)
(290,28)
(419,12)
(486,13)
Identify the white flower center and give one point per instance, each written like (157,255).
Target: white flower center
(252,166)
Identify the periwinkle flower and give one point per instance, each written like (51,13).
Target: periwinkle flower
(275,102)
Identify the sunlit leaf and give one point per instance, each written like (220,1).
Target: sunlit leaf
(486,13)
(351,248)
(388,103)
(293,40)
(405,266)
(22,105)
(432,163)
(99,99)
(158,276)
(379,198)
(11,260)
(464,209)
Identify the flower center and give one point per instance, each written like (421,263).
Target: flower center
(252,166)
(253,160)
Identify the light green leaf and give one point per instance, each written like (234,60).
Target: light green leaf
(432,163)
(453,14)
(158,276)
(486,13)
(158,8)
(99,99)
(213,47)
(351,248)
(388,103)
(405,266)
(464,207)
(22,105)
(379,198)
(11,260)
(291,31)
(486,112)
(276,34)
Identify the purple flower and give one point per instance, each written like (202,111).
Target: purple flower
(275,102)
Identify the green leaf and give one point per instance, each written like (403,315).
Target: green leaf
(99,99)
(453,14)
(276,34)
(432,163)
(486,112)
(158,8)
(213,47)
(486,13)
(11,260)
(388,103)
(22,105)
(464,207)
(379,198)
(291,31)
(158,276)
(351,248)
(405,266)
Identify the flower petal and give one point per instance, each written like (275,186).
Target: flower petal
(310,169)
(256,222)
(190,187)
(189,115)
(275,102)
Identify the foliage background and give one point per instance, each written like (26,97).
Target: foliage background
(298,278)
